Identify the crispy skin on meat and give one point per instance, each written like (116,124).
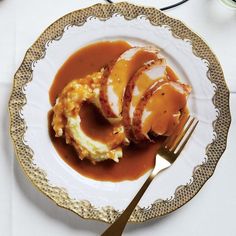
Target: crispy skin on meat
(106,109)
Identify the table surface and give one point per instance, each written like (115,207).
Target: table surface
(25,211)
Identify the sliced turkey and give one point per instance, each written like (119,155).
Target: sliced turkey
(117,75)
(143,79)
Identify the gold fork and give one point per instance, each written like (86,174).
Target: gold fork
(166,156)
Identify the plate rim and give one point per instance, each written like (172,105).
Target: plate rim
(103,12)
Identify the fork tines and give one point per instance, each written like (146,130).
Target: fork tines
(176,142)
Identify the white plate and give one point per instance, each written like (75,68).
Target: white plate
(185,52)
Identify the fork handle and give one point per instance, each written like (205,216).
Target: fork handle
(118,226)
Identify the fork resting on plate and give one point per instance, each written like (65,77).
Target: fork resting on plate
(166,156)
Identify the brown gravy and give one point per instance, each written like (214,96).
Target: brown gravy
(86,61)
(137,159)
(94,124)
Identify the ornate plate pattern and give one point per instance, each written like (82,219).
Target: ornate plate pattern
(18,100)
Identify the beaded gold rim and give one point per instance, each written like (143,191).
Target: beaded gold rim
(103,12)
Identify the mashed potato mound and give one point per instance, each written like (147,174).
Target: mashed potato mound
(66,120)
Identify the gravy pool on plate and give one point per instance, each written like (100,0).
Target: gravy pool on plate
(137,158)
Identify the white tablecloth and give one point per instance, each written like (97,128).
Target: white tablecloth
(25,211)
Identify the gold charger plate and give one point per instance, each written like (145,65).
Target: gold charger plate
(104,12)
